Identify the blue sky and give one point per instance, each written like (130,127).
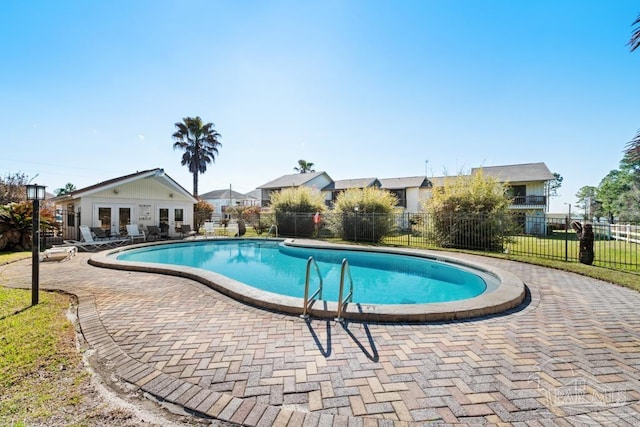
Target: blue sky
(91,90)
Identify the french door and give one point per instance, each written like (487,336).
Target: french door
(170,219)
(112,218)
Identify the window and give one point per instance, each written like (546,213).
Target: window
(401,195)
(164,216)
(178,217)
(518,193)
(124,215)
(104,217)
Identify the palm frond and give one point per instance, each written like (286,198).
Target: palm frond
(634,42)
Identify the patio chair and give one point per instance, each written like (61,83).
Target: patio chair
(164,230)
(88,243)
(209,228)
(185,229)
(153,231)
(134,233)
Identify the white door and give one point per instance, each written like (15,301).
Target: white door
(113,218)
(173,217)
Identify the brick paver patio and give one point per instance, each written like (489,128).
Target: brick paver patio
(570,356)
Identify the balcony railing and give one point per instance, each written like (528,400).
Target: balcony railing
(530,200)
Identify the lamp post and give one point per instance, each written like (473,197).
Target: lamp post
(35,193)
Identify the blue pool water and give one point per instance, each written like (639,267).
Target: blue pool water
(272,266)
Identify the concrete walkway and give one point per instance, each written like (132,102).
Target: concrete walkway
(570,356)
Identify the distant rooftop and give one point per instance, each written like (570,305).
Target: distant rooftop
(292,180)
(517,173)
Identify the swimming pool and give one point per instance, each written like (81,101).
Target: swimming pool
(405,285)
(276,267)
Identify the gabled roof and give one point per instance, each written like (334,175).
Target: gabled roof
(293,180)
(345,184)
(406,182)
(104,185)
(224,194)
(517,173)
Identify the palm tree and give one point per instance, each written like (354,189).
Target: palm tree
(304,166)
(634,42)
(632,151)
(68,189)
(200,144)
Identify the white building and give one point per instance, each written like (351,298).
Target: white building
(144,198)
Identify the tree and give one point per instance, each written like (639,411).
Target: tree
(202,212)
(554,185)
(200,144)
(587,197)
(67,189)
(304,167)
(610,191)
(631,159)
(634,42)
(629,203)
(12,188)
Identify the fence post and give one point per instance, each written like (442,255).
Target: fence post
(408,228)
(566,238)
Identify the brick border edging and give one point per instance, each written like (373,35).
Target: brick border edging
(193,398)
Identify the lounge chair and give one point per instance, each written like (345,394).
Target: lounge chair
(88,243)
(134,233)
(99,233)
(59,253)
(185,229)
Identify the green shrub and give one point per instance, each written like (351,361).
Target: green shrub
(470,212)
(16,221)
(364,215)
(294,210)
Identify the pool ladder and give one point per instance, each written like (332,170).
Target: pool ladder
(342,303)
(345,271)
(309,300)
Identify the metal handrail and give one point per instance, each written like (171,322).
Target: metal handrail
(342,303)
(308,300)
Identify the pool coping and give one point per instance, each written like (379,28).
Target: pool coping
(509,294)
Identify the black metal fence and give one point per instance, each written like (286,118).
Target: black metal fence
(67,223)
(525,234)
(616,246)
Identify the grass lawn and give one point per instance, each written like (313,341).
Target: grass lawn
(40,367)
(614,254)
(43,379)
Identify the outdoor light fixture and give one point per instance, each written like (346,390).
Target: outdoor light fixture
(35,193)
